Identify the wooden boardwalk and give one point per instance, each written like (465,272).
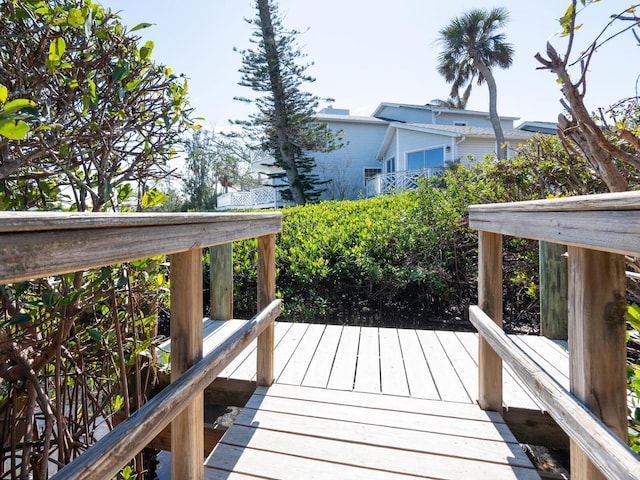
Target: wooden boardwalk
(294,432)
(426,364)
(367,402)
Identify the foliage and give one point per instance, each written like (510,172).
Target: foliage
(412,251)
(471,47)
(108,116)
(284,125)
(613,155)
(214,161)
(633,375)
(74,348)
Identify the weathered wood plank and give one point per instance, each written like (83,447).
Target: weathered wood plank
(447,382)
(289,467)
(317,374)
(383,417)
(409,440)
(41,221)
(393,378)
(295,370)
(372,457)
(597,357)
(490,300)
(287,346)
(22,257)
(464,364)
(266,294)
(186,341)
(553,290)
(368,368)
(578,203)
(344,372)
(419,377)
(466,411)
(611,455)
(590,229)
(221,281)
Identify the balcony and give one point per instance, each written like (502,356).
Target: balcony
(264,197)
(394,182)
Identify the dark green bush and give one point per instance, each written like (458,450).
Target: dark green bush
(410,255)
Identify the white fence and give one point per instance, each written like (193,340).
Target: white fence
(265,197)
(387,183)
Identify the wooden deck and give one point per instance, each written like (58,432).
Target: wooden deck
(295,432)
(367,402)
(425,364)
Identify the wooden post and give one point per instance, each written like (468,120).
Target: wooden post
(187,442)
(490,301)
(266,294)
(597,349)
(221,281)
(553,290)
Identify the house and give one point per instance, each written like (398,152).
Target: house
(400,143)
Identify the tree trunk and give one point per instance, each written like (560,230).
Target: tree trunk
(501,148)
(279,102)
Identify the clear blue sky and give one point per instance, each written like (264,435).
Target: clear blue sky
(371,51)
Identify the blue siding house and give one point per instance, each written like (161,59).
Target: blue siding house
(399,143)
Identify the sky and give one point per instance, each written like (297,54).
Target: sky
(365,52)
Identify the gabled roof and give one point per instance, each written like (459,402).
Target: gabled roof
(436,108)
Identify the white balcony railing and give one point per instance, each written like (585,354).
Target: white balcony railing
(265,197)
(394,182)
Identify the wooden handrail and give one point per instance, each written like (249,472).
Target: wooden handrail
(35,245)
(607,222)
(612,456)
(84,241)
(598,230)
(107,456)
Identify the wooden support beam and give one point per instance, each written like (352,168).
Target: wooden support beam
(597,353)
(553,290)
(490,301)
(221,281)
(186,350)
(266,294)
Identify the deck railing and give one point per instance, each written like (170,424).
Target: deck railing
(599,231)
(35,245)
(394,182)
(265,197)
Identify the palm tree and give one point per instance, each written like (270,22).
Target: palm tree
(472,46)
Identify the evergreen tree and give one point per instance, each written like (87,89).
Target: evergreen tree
(285,122)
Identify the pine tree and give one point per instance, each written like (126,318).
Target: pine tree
(285,122)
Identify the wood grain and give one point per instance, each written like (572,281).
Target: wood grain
(490,300)
(221,281)
(597,357)
(610,454)
(266,294)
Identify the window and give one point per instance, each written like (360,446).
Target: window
(391,165)
(433,157)
(370,173)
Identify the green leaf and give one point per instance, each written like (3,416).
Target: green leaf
(153,198)
(17,104)
(13,129)
(4,92)
(124,192)
(122,70)
(145,51)
(95,334)
(75,17)
(140,26)
(57,49)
